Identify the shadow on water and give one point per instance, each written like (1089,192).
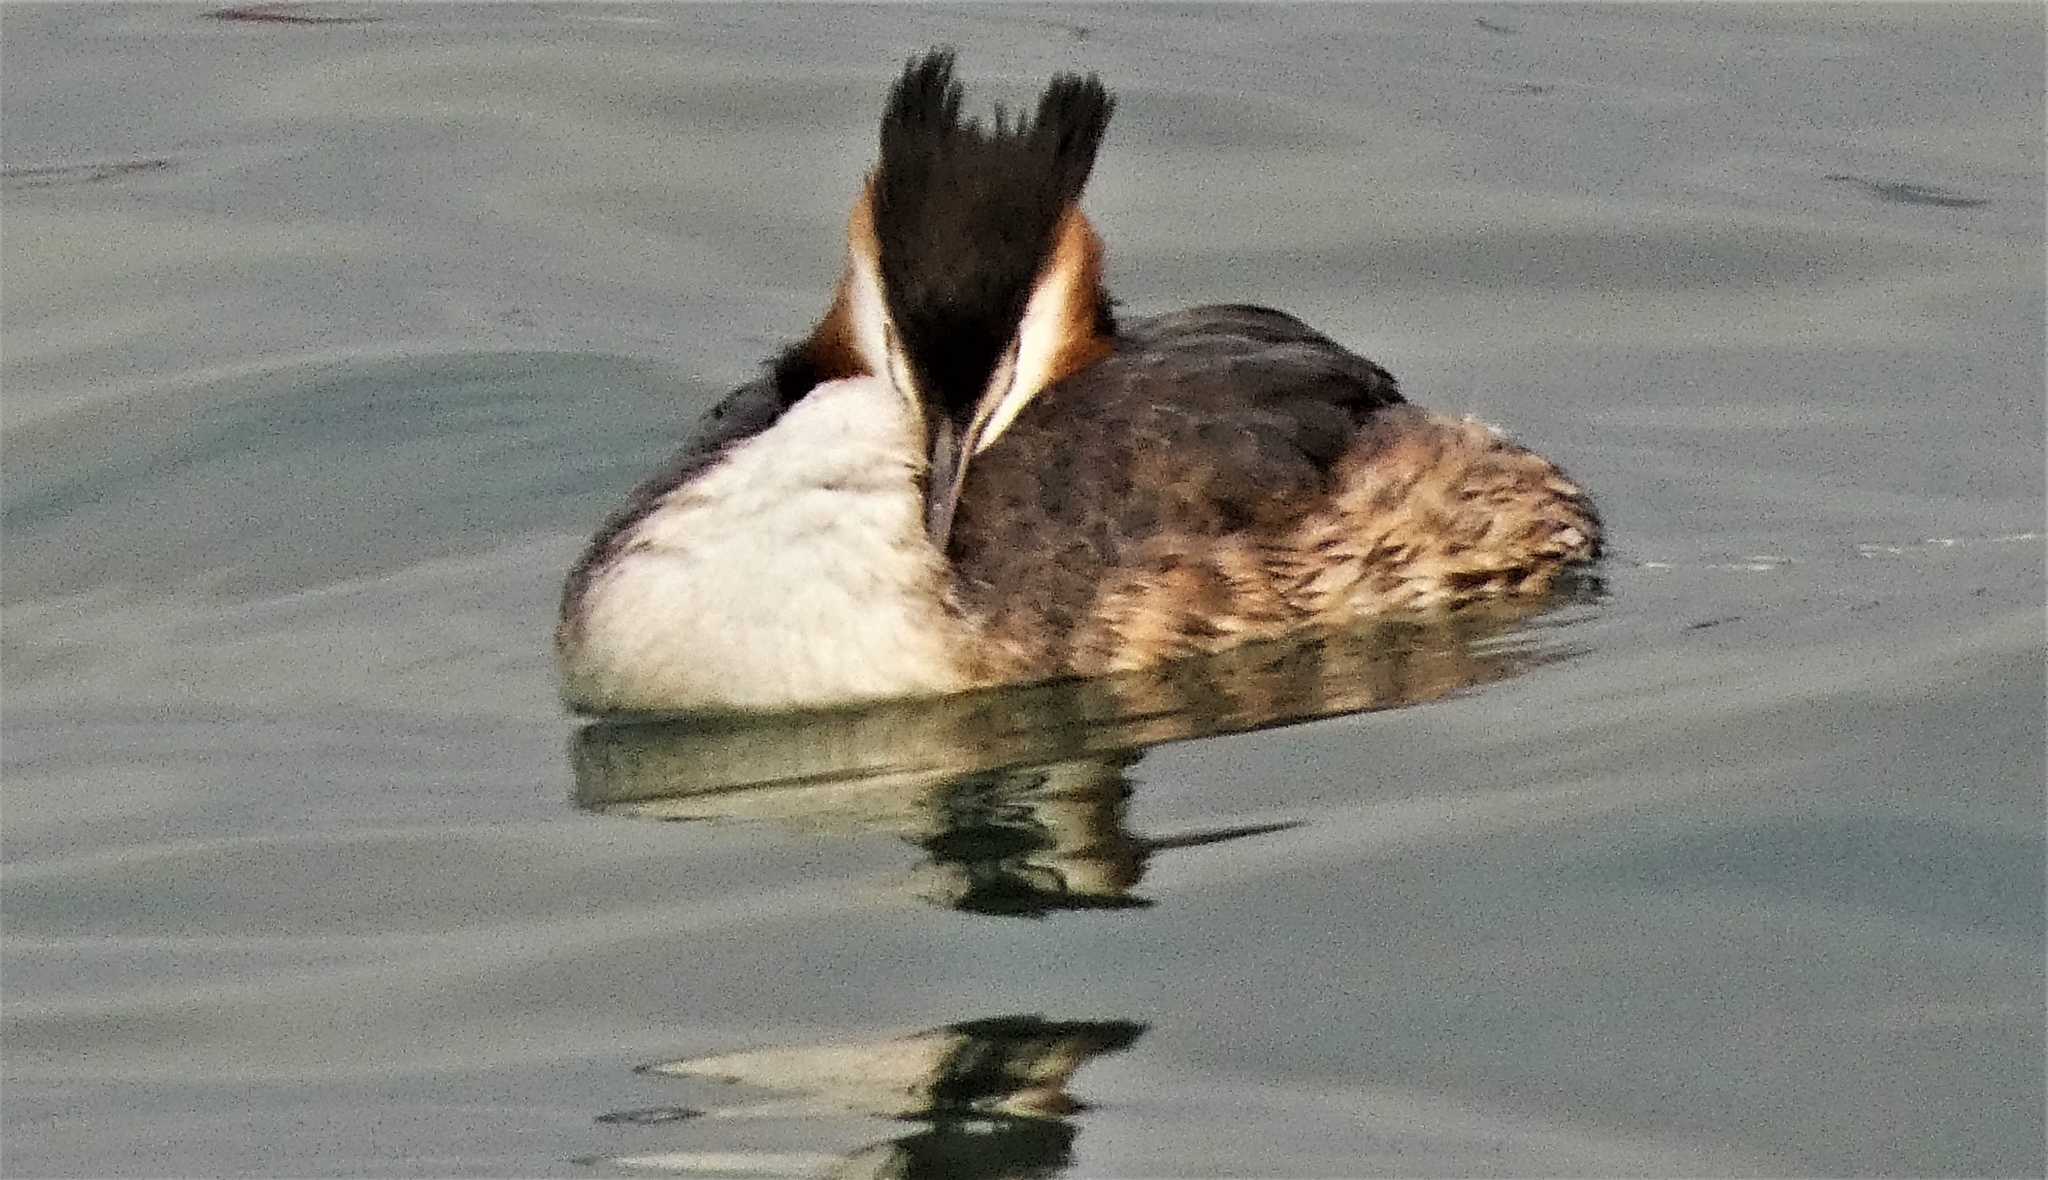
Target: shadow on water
(1016,800)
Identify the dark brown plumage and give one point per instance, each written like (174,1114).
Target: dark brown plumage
(1229,473)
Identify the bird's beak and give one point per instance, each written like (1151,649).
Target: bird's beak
(943,479)
(953,446)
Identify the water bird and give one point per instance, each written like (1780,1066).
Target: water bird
(974,472)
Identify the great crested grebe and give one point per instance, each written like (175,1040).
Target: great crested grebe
(970,473)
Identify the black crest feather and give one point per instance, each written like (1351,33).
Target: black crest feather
(965,215)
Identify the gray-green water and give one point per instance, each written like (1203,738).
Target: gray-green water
(325,343)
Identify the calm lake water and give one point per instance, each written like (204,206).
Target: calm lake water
(326,343)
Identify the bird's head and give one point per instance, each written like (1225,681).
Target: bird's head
(973,281)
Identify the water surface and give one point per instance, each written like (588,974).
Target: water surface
(325,344)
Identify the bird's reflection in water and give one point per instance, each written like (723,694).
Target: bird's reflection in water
(992,1095)
(1018,797)
(1042,838)
(1017,800)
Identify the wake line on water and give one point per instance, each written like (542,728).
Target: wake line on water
(1767,562)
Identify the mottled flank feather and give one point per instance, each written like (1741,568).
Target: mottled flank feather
(1427,512)
(1433,511)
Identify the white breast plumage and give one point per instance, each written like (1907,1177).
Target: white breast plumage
(795,571)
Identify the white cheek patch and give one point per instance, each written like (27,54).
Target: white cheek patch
(874,337)
(869,313)
(1041,335)
(999,402)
